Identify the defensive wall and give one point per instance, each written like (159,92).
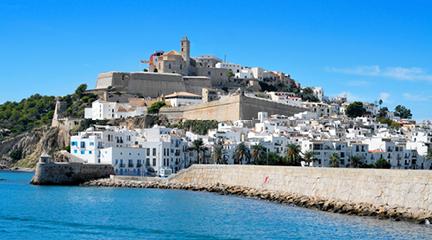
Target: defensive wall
(230,108)
(408,189)
(148,84)
(69,173)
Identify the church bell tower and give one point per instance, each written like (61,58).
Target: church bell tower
(185,49)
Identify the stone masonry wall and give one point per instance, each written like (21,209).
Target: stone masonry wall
(69,173)
(410,189)
(230,108)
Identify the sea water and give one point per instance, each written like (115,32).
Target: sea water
(57,212)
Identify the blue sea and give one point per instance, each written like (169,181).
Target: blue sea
(52,212)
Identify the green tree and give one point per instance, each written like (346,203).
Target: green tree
(198,147)
(308,95)
(383,112)
(402,112)
(355,109)
(200,127)
(356,161)
(81,90)
(16,154)
(380,102)
(241,153)
(382,163)
(155,107)
(429,153)
(230,74)
(217,153)
(258,154)
(293,155)
(309,157)
(334,160)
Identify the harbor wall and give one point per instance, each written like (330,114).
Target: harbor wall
(69,173)
(408,189)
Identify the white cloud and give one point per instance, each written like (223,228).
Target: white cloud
(400,73)
(417,97)
(384,96)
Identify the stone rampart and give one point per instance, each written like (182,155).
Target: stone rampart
(407,189)
(59,173)
(230,108)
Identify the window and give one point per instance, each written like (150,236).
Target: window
(91,143)
(73,143)
(154,151)
(148,151)
(75,151)
(82,152)
(83,144)
(90,152)
(154,162)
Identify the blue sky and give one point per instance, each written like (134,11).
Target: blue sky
(365,49)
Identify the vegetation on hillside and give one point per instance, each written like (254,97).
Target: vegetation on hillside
(355,109)
(78,101)
(30,112)
(155,107)
(37,110)
(200,127)
(402,112)
(308,95)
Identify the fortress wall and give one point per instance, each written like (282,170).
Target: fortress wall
(251,106)
(153,85)
(143,83)
(230,108)
(196,84)
(225,109)
(410,189)
(69,173)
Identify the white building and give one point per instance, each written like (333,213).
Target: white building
(286,97)
(235,68)
(133,152)
(103,110)
(178,99)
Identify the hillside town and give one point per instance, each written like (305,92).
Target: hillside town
(275,126)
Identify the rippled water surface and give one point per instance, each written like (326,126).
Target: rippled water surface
(48,212)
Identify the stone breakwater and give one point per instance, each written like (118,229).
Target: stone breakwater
(335,206)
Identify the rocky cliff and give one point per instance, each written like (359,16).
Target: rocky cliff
(24,150)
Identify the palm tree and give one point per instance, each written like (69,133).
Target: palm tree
(334,160)
(258,153)
(241,153)
(293,154)
(356,161)
(217,153)
(309,157)
(198,146)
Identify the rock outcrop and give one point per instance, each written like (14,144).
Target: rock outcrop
(24,150)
